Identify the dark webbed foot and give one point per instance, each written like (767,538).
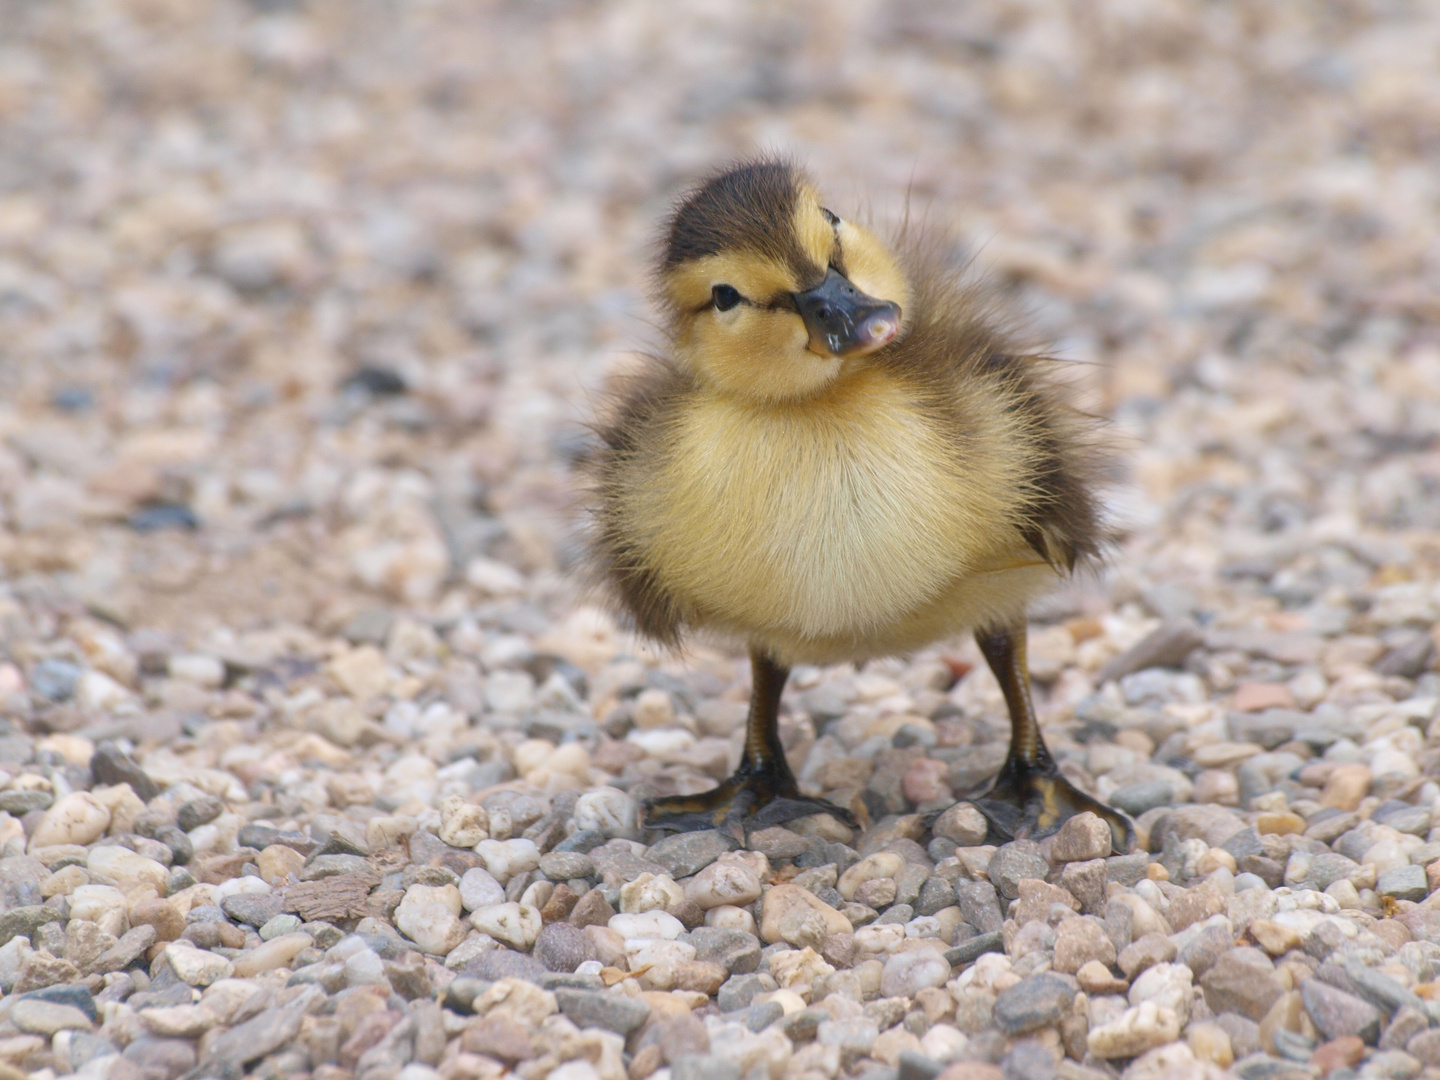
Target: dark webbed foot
(1034,803)
(750,799)
(1030,798)
(763,790)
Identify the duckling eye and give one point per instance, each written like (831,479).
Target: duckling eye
(725,297)
(830,217)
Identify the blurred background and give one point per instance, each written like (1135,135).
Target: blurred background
(302,304)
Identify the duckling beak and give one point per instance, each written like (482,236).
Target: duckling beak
(843,321)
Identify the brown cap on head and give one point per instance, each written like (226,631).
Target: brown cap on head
(748,207)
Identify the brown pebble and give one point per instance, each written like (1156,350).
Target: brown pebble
(689,913)
(368,1032)
(218,869)
(839,950)
(1346,786)
(1286,824)
(1256,696)
(1095,978)
(702,976)
(561,903)
(164,916)
(1339,1053)
(592,909)
(357,1005)
(277,862)
(499,1036)
(1392,931)
(877,893)
(972,1070)
(646,1060)
(680,1035)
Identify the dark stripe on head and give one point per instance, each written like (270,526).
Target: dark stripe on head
(750,207)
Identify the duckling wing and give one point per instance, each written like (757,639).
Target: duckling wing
(1061,460)
(634,442)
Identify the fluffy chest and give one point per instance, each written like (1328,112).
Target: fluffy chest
(817,521)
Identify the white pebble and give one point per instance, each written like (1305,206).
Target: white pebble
(653,709)
(608,810)
(660,956)
(110,862)
(104,905)
(479,889)
(907,973)
(241,886)
(77,818)
(429,916)
(723,884)
(647,924)
(510,691)
(98,692)
(731,918)
(197,967)
(1136,1030)
(1166,985)
(507,858)
(650,892)
(198,669)
(944,1043)
(462,824)
(364,968)
(517,925)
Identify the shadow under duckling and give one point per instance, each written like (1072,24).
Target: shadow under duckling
(841,457)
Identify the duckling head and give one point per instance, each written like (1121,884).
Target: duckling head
(770,295)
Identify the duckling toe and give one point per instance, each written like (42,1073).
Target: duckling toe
(1033,802)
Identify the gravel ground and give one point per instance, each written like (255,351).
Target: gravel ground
(314,762)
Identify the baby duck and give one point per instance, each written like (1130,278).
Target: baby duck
(841,458)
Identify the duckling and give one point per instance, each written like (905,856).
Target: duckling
(841,457)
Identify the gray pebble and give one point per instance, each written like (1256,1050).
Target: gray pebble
(737,951)
(1403,883)
(504,964)
(979,905)
(257,1037)
(684,854)
(1033,1003)
(562,947)
(762,1014)
(198,811)
(160,1057)
(1136,798)
(1012,862)
(603,1010)
(20,802)
(738,991)
(935,894)
(583,841)
(566,865)
(968,951)
(1336,1013)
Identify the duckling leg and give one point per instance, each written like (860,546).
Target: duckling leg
(763,790)
(1030,797)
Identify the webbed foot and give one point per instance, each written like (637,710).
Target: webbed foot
(753,798)
(1033,802)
